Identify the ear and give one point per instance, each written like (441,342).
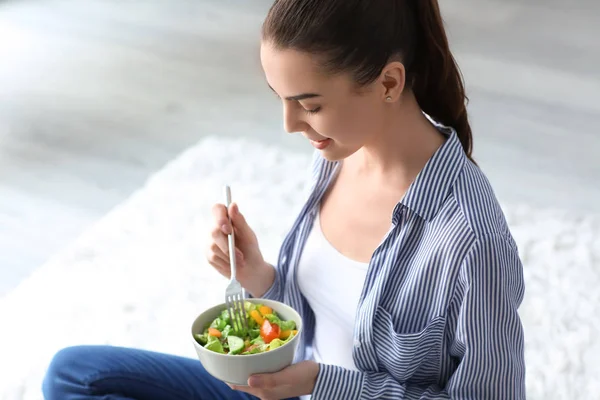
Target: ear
(393,80)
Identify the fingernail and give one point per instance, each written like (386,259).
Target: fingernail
(255,381)
(225,229)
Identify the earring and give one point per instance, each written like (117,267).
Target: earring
(389,98)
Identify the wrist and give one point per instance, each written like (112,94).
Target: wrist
(314,374)
(265,276)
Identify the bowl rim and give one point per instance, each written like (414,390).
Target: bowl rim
(253,300)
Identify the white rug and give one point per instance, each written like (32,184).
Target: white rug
(138,277)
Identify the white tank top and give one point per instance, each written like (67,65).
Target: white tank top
(332,285)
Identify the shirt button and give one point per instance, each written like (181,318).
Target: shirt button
(357,344)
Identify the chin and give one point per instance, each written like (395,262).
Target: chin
(337,153)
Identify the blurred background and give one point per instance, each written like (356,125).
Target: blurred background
(95,96)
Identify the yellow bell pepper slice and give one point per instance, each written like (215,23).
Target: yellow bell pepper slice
(257,317)
(264,310)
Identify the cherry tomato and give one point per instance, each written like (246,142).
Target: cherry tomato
(269,331)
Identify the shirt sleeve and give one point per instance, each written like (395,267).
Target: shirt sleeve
(487,340)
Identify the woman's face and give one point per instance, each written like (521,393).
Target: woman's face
(327,110)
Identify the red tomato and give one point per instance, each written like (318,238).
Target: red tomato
(269,331)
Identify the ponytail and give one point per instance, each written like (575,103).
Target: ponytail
(437,82)
(360,36)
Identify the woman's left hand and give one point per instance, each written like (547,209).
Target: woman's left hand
(293,381)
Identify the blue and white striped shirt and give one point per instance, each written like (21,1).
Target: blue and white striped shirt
(437,317)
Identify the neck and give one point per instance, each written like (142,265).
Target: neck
(402,148)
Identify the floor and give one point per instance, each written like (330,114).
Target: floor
(97,95)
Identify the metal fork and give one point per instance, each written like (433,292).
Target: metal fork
(234,297)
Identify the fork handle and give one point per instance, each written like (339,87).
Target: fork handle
(231,236)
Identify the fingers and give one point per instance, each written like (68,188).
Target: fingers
(262,395)
(220,260)
(239,221)
(269,380)
(216,256)
(221,218)
(219,239)
(218,245)
(294,375)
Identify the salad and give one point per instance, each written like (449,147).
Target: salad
(266,331)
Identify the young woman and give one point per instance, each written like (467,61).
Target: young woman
(400,263)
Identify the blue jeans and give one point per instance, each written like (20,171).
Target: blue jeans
(116,373)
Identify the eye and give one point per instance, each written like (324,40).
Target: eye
(313,111)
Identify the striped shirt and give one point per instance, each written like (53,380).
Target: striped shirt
(437,317)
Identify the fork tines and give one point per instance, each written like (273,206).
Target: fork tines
(237,312)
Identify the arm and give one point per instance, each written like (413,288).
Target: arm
(489,335)
(487,341)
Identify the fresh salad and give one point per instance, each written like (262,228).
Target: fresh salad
(266,331)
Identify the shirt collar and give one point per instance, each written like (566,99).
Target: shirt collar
(428,191)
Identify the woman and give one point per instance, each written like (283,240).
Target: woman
(400,263)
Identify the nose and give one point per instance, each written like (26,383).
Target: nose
(291,121)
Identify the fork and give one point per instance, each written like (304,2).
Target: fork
(234,297)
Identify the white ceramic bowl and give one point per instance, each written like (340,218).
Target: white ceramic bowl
(236,369)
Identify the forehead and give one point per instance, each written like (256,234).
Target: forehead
(289,72)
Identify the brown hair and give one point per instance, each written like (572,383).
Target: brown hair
(362,36)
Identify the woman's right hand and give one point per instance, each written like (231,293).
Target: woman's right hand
(254,274)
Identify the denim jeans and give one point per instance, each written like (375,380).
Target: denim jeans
(116,373)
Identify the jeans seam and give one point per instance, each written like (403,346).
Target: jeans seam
(103,376)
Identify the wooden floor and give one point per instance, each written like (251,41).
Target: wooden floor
(96,95)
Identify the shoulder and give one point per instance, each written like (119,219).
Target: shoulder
(479,207)
(470,224)
(490,258)
(492,255)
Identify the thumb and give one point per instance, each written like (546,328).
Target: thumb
(293,375)
(238,220)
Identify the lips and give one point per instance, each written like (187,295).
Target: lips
(320,144)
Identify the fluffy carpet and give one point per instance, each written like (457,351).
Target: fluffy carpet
(138,277)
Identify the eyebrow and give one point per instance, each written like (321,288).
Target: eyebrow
(299,97)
